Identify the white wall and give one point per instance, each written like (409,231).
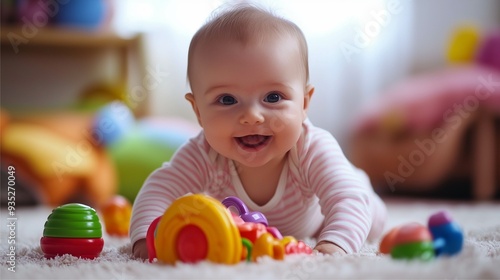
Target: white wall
(415,40)
(434,21)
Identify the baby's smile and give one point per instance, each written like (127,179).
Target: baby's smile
(253,142)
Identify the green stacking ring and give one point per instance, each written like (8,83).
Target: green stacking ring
(73,220)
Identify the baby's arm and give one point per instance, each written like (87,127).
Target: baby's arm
(347,200)
(157,193)
(348,207)
(180,176)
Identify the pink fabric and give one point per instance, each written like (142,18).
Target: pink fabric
(424,101)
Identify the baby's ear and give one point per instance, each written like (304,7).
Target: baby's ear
(190,97)
(307,99)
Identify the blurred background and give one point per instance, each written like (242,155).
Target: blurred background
(63,63)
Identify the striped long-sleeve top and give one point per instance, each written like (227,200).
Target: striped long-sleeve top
(319,190)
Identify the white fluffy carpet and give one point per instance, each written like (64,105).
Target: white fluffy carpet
(480,258)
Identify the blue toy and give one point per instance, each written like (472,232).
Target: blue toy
(112,123)
(86,14)
(443,236)
(447,235)
(138,147)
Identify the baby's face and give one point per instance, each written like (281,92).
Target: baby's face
(250,100)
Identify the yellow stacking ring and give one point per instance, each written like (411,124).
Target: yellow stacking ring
(197,227)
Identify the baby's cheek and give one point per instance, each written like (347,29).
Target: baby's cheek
(278,122)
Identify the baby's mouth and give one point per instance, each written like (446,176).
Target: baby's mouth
(253,141)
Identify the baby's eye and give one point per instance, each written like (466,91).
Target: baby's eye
(227,100)
(273,97)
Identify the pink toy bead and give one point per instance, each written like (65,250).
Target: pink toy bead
(275,232)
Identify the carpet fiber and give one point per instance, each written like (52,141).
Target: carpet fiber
(479,259)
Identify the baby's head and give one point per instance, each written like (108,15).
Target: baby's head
(248,25)
(248,72)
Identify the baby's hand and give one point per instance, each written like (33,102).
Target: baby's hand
(329,248)
(140,249)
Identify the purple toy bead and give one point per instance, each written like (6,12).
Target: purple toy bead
(249,217)
(254,217)
(439,218)
(236,203)
(489,53)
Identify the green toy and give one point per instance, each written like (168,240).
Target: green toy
(72,229)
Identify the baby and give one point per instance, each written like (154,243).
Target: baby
(249,77)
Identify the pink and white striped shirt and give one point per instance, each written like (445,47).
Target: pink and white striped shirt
(319,191)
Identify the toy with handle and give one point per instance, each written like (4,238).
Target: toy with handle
(198,227)
(251,217)
(415,241)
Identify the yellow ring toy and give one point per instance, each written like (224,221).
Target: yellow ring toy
(197,227)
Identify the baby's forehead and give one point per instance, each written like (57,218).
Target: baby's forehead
(218,44)
(265,53)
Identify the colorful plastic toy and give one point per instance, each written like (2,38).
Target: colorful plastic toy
(415,241)
(116,214)
(72,229)
(463,44)
(251,217)
(150,142)
(83,14)
(198,227)
(448,236)
(79,167)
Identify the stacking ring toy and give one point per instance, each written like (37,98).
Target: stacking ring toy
(198,227)
(194,228)
(249,217)
(72,229)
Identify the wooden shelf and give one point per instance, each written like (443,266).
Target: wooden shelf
(128,50)
(63,37)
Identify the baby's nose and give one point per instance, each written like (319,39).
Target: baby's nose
(252,115)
